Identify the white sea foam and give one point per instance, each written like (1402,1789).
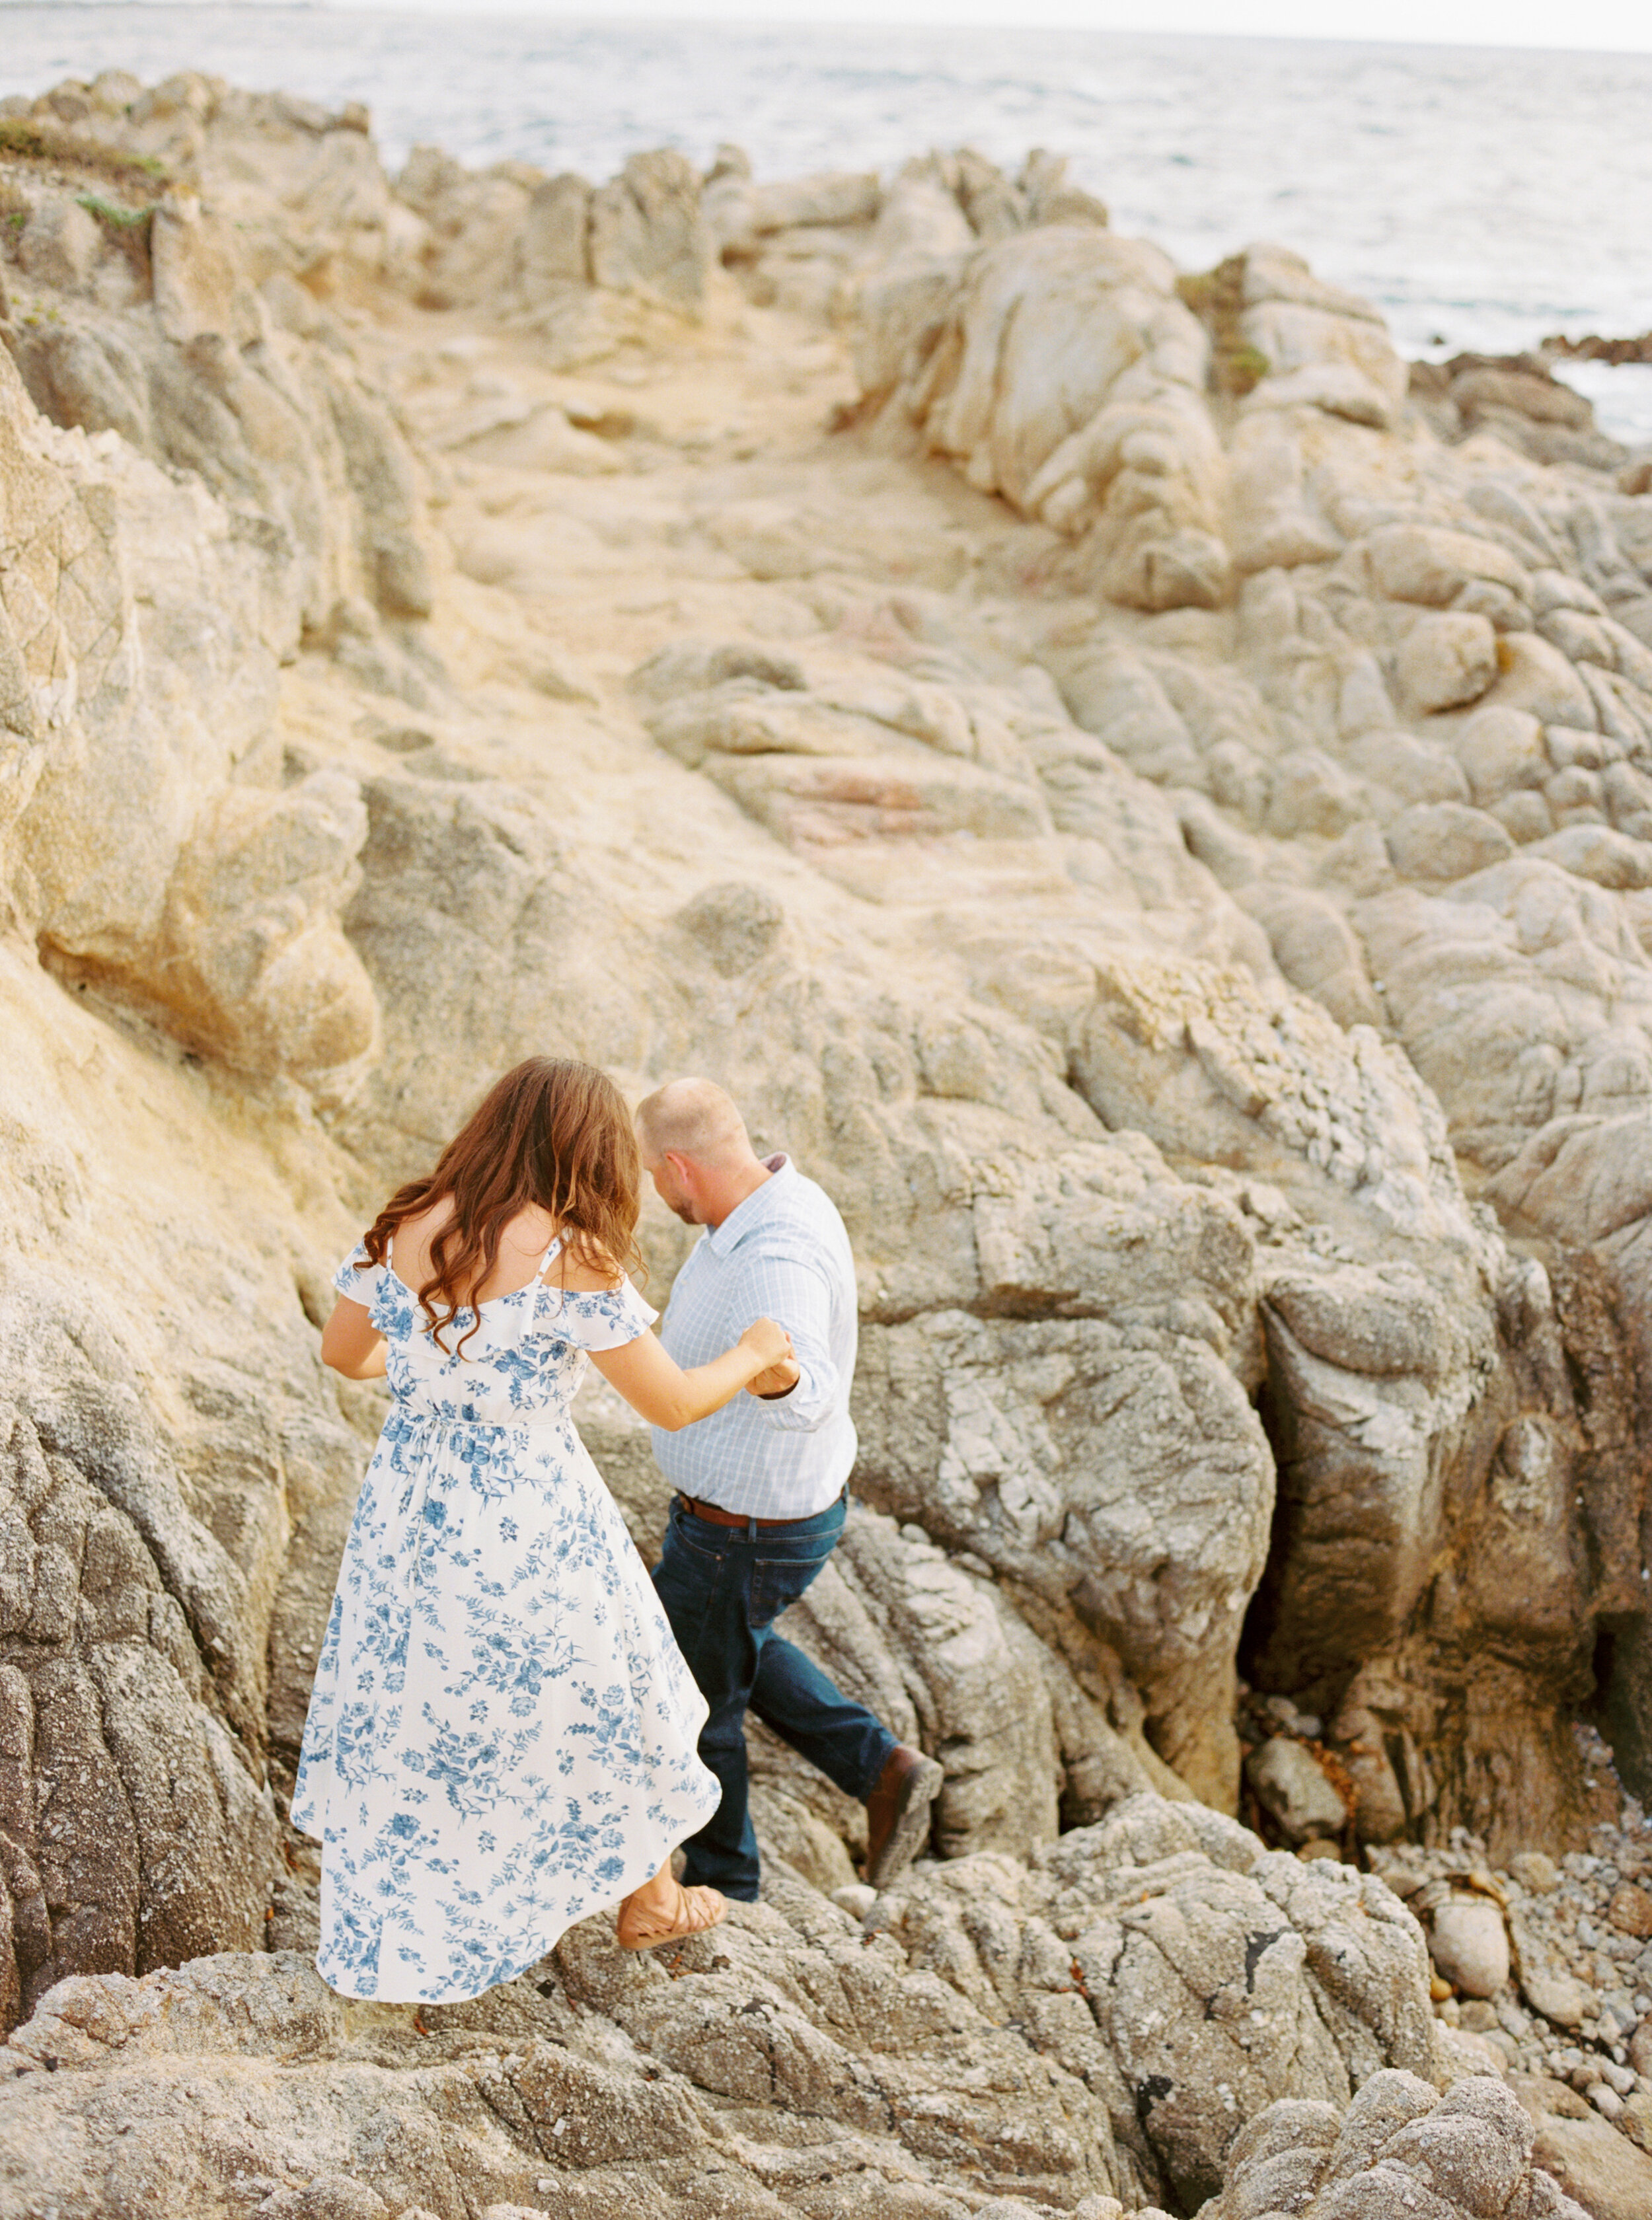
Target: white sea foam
(1482,198)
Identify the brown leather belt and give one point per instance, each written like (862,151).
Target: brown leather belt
(714,1514)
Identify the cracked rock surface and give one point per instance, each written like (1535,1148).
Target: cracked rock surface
(1151,801)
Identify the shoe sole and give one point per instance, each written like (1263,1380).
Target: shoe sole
(911,1829)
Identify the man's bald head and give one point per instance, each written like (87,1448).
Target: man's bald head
(696,1150)
(693,1118)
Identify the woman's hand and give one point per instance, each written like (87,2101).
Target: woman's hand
(771,1344)
(779,1379)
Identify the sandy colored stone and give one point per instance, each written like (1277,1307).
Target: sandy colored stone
(1470,1945)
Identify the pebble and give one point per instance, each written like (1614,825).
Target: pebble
(1630,1910)
(1585,1964)
(1471,1945)
(1535,1870)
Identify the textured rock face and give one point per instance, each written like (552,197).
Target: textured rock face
(983,2035)
(1399,2148)
(163,1424)
(1070,378)
(1139,810)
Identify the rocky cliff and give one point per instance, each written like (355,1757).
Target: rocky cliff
(1151,802)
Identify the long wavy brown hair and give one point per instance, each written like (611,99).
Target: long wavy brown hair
(553,1132)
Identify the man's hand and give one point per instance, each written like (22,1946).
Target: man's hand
(779,1379)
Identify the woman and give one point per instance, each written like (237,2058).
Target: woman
(502,1738)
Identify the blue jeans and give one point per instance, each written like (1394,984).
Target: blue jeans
(722,1587)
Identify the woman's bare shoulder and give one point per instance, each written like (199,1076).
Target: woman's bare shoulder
(581,1276)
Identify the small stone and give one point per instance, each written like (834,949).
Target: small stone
(1320,1846)
(1630,1910)
(1559,1999)
(1607,2101)
(1534,1870)
(1470,1945)
(1291,1786)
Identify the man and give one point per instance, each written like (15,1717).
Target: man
(762,1484)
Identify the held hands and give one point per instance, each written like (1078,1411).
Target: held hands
(779,1379)
(771,1343)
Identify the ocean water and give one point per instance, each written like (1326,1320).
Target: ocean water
(1483,198)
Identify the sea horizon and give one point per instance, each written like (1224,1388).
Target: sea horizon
(1458,188)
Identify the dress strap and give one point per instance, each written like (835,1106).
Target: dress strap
(538,1276)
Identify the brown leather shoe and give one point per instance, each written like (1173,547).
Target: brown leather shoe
(897,1812)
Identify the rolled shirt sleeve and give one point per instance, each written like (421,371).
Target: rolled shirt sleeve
(797,1296)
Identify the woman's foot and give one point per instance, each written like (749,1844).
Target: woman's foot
(662,1911)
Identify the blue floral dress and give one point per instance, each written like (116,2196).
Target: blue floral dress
(502,1737)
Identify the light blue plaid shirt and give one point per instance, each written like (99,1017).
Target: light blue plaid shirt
(783,1254)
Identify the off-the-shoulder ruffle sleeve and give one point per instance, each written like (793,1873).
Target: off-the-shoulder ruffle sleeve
(603,1320)
(359,1287)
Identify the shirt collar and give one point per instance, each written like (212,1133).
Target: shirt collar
(745,1216)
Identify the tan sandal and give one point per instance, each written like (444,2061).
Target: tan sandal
(696,1912)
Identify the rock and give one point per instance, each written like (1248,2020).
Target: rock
(1315,948)
(1399,2147)
(1425,565)
(1445,661)
(1597,853)
(1501,750)
(1291,1786)
(1335,1963)
(1538,679)
(1468,1943)
(1535,1870)
(256,967)
(59,246)
(647,235)
(555,249)
(1310,794)
(1139,479)
(1557,1998)
(1446,840)
(1588,2159)
(1412,770)
(1630,1910)
(1323,348)
(199,289)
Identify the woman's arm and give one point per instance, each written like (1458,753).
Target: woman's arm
(351,1344)
(666,1395)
